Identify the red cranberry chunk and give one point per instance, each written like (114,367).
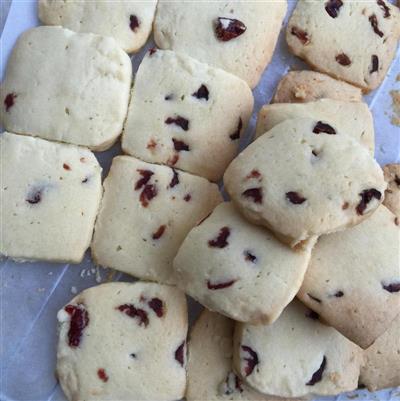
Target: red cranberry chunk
(146,176)
(228,28)
(232,384)
(249,257)
(324,128)
(317,376)
(157,305)
(221,240)
(152,51)
(201,93)
(385,8)
(148,193)
(295,198)
(374,64)
(179,121)
(374,23)
(251,362)
(180,354)
(66,166)
(175,178)
(254,193)
(314,298)
(134,23)
(152,144)
(159,233)
(102,375)
(180,146)
(9,100)
(254,174)
(220,286)
(301,35)
(392,287)
(236,134)
(173,160)
(332,7)
(187,197)
(343,59)
(366,196)
(133,312)
(34,196)
(79,320)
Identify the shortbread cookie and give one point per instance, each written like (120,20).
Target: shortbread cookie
(382,360)
(308,86)
(351,40)
(186,114)
(237,36)
(352,118)
(210,376)
(305,178)
(353,280)
(50,194)
(123,341)
(146,212)
(239,269)
(296,356)
(391,173)
(66,87)
(128,22)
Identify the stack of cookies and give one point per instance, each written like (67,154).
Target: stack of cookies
(310,213)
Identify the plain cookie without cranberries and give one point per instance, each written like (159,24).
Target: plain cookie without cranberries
(186,114)
(238,269)
(209,370)
(129,23)
(239,37)
(391,173)
(110,347)
(352,118)
(354,41)
(296,356)
(66,87)
(353,280)
(50,195)
(312,179)
(309,86)
(146,212)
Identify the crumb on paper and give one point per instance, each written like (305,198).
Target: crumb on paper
(50,273)
(395,107)
(74,290)
(41,289)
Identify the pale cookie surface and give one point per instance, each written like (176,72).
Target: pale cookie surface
(66,87)
(237,36)
(305,178)
(210,376)
(50,196)
(239,269)
(186,114)
(123,341)
(381,367)
(296,356)
(351,40)
(146,212)
(352,118)
(308,86)
(353,280)
(391,173)
(129,23)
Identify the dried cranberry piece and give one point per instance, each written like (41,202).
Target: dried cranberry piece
(134,22)
(187,197)
(248,256)
(254,174)
(312,315)
(79,320)
(374,64)
(229,28)
(66,166)
(131,311)
(314,298)
(317,376)
(397,180)
(231,384)
(343,59)
(236,134)
(392,287)
(35,196)
(148,193)
(201,93)
(345,205)
(152,51)
(102,375)
(179,121)
(374,23)
(385,8)
(332,7)
(175,178)
(366,196)
(157,305)
(173,160)
(160,231)
(301,35)
(323,127)
(221,240)
(180,354)
(146,176)
(180,146)
(9,100)
(152,144)
(252,360)
(220,286)
(255,193)
(339,294)
(295,198)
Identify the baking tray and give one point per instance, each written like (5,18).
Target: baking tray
(32,293)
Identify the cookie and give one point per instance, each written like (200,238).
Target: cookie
(309,86)
(129,23)
(353,280)
(190,117)
(66,87)
(239,37)
(381,367)
(50,194)
(296,356)
(305,178)
(209,370)
(353,41)
(352,118)
(146,212)
(238,269)
(110,347)
(391,173)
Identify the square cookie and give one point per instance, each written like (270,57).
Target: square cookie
(66,87)
(186,114)
(146,212)
(352,118)
(125,342)
(354,41)
(237,36)
(128,22)
(50,196)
